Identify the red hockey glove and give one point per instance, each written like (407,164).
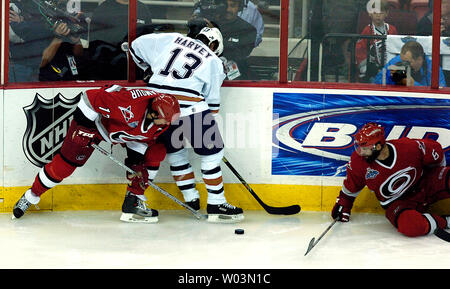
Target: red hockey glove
(342,208)
(139,181)
(84,136)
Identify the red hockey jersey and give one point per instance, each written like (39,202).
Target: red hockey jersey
(398,179)
(374,44)
(123,113)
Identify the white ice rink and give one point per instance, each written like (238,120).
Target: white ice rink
(97,239)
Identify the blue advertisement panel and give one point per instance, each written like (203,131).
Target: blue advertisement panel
(312,134)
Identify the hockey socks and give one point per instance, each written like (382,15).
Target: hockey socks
(411,223)
(51,175)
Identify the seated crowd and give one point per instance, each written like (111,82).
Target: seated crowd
(72,44)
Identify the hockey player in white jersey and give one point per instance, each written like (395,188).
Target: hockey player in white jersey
(190,69)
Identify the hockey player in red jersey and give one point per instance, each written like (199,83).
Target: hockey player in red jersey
(133,118)
(406,175)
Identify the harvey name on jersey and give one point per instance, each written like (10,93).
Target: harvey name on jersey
(183,67)
(391,181)
(194,45)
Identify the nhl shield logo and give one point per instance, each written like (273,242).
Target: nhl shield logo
(47,123)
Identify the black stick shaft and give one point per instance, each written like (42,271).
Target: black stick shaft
(290,210)
(110,156)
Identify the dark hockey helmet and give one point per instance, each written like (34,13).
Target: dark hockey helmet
(167,107)
(369,136)
(195,25)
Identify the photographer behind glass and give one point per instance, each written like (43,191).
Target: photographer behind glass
(239,36)
(37,29)
(412,58)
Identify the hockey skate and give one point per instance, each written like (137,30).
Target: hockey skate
(194,204)
(134,210)
(224,213)
(24,203)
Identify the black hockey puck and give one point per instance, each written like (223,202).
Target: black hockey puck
(239,231)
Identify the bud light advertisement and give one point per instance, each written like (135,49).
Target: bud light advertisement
(312,134)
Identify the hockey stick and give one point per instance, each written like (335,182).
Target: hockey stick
(312,243)
(442,234)
(290,210)
(151,184)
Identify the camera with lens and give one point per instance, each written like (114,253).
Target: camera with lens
(55,12)
(206,13)
(211,9)
(400,71)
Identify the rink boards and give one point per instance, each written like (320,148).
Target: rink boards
(290,144)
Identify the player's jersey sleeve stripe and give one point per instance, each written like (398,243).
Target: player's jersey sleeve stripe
(139,61)
(85,106)
(137,146)
(113,88)
(348,193)
(188,98)
(432,222)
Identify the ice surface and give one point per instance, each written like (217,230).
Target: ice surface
(97,239)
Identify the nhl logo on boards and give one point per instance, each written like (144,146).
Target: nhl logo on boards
(47,123)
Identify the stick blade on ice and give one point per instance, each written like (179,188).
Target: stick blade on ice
(310,246)
(291,210)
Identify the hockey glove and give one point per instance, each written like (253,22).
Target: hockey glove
(83,136)
(342,208)
(138,182)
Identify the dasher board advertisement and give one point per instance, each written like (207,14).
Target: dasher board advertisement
(312,133)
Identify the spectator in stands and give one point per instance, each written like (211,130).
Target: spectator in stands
(239,36)
(445,24)
(425,25)
(251,14)
(445,32)
(339,17)
(109,29)
(64,57)
(411,54)
(61,60)
(405,4)
(33,40)
(370,65)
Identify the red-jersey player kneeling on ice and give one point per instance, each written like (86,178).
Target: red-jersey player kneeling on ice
(130,117)
(406,175)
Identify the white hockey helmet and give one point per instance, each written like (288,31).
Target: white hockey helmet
(212,34)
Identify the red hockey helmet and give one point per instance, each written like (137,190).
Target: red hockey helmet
(368,136)
(167,107)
